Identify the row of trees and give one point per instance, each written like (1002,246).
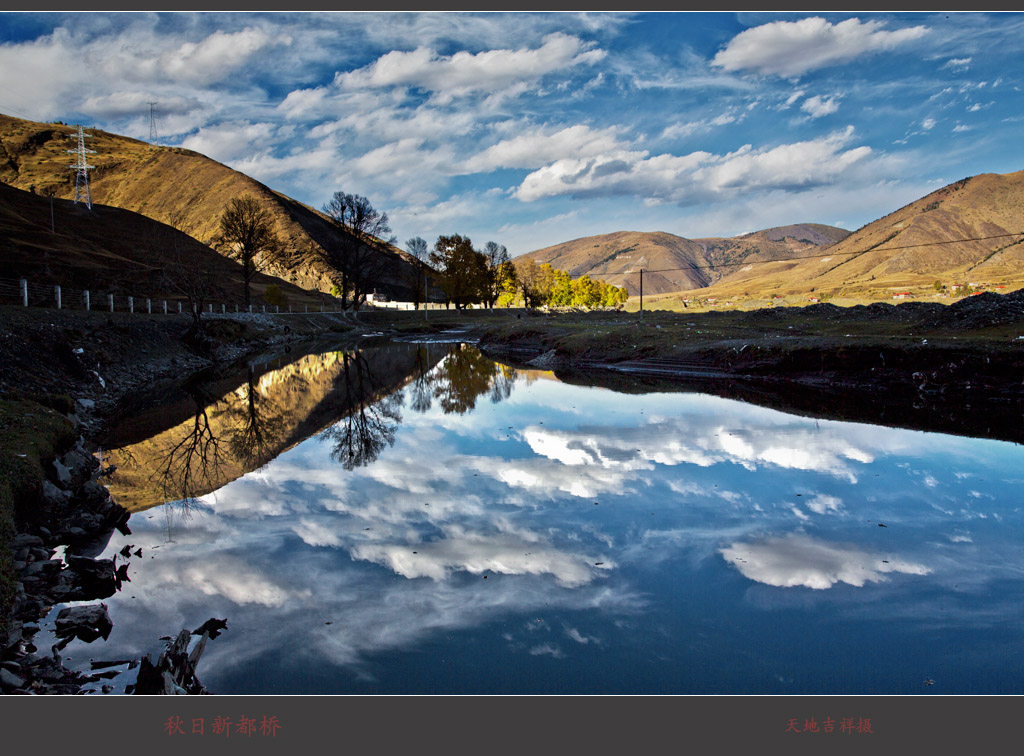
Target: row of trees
(359,253)
(543,284)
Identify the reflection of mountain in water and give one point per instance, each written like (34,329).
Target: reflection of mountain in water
(351,398)
(232,432)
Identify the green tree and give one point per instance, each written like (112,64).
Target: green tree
(463,270)
(275,296)
(561,288)
(529,278)
(497,262)
(246,234)
(508,284)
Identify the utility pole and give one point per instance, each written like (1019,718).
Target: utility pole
(82,168)
(641,295)
(152,123)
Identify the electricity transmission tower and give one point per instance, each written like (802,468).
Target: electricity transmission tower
(82,169)
(152,122)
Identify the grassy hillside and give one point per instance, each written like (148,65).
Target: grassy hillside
(109,250)
(904,253)
(174,186)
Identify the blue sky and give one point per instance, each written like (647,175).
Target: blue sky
(532,129)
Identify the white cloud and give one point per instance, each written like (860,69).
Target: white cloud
(476,553)
(213,58)
(232,140)
(800,560)
(540,146)
(315,533)
(464,73)
(957,64)
(235,581)
(792,48)
(818,106)
(132,103)
(823,504)
(928,124)
(699,175)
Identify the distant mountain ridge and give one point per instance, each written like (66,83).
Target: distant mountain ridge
(966,233)
(676,263)
(174,186)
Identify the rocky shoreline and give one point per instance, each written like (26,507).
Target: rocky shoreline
(55,559)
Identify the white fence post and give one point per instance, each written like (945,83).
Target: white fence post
(277,308)
(210,308)
(149,306)
(264,309)
(86,293)
(179,307)
(250,309)
(56,293)
(24,292)
(236,308)
(110,301)
(223,308)
(165,307)
(131,304)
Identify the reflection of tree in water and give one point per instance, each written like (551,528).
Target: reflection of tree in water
(190,466)
(465,375)
(421,382)
(501,386)
(255,429)
(370,426)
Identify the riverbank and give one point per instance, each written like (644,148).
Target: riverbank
(63,374)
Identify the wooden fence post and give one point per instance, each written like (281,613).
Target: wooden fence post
(56,293)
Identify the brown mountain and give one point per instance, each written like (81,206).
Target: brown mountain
(911,248)
(108,250)
(175,186)
(676,263)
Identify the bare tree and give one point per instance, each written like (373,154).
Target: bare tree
(358,254)
(247,235)
(417,247)
(497,269)
(187,272)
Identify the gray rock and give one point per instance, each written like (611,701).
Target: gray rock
(87,403)
(23,540)
(86,623)
(53,495)
(11,680)
(63,473)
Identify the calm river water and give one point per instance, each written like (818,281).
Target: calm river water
(414,518)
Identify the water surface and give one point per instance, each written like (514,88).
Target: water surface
(418,519)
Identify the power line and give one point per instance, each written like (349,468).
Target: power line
(831,254)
